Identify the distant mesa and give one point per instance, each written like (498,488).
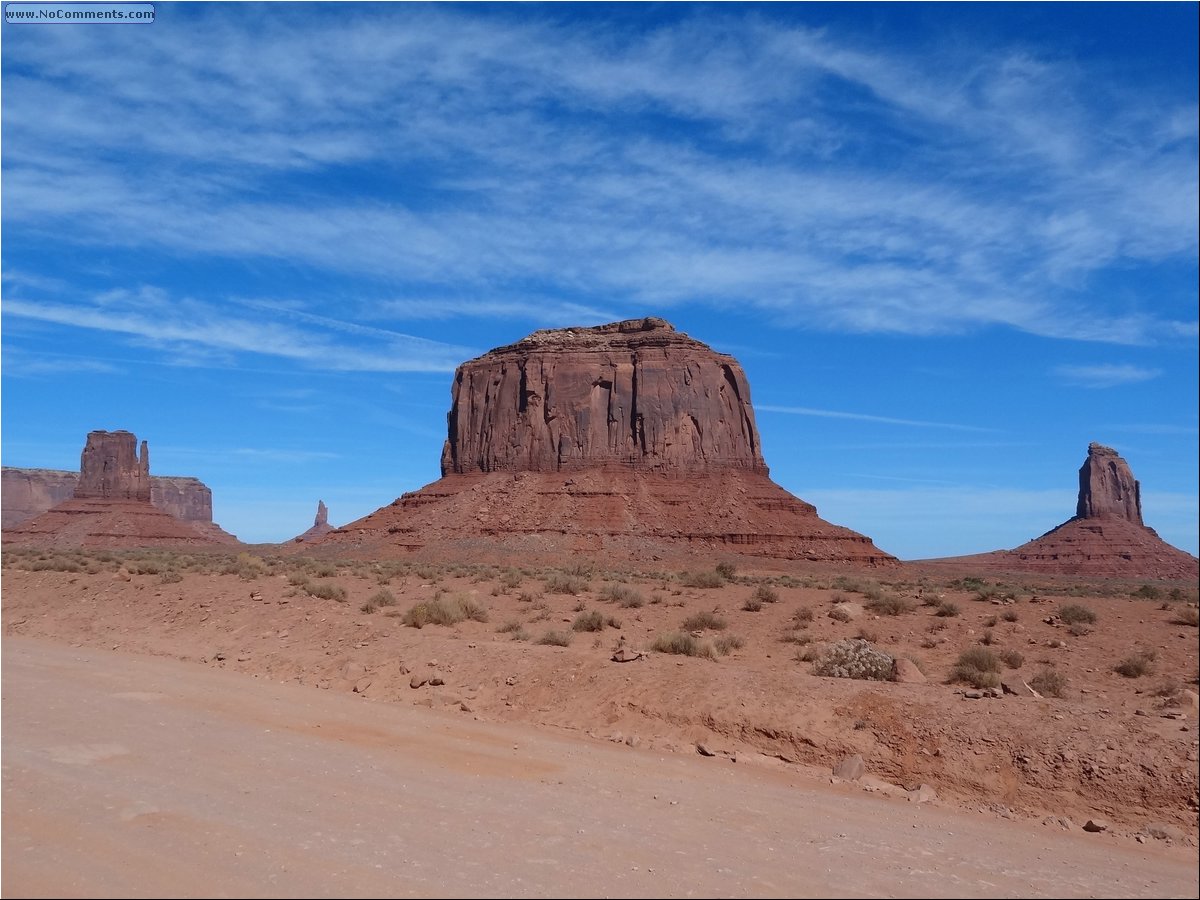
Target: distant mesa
(320,526)
(110,502)
(1106,537)
(630,437)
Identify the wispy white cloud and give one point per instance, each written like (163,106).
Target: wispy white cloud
(1160,428)
(1105,375)
(171,323)
(275,455)
(1010,183)
(866,417)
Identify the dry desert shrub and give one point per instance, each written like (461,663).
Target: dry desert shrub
(727,643)
(702,580)
(752,604)
(593,620)
(704,621)
(683,644)
(625,597)
(1147,592)
(1189,615)
(1137,664)
(326,590)
(726,570)
(1010,615)
(765,594)
(853,658)
(566,584)
(802,617)
(889,605)
(840,615)
(556,638)
(1049,682)
(1012,658)
(978,667)
(379,599)
(442,610)
(947,609)
(1075,614)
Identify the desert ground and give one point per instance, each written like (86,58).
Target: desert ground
(725,665)
(132,776)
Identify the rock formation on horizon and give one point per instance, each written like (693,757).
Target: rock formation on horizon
(111,505)
(1106,536)
(629,437)
(25,493)
(320,525)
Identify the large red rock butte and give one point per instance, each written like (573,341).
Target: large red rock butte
(25,493)
(630,438)
(111,505)
(1105,538)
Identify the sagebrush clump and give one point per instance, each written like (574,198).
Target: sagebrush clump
(854,658)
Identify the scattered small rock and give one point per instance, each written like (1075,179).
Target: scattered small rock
(704,750)
(1095,826)
(436,680)
(905,671)
(417,681)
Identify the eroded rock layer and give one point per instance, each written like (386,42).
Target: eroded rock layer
(629,438)
(1105,538)
(29,492)
(111,505)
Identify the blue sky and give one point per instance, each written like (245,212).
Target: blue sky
(950,244)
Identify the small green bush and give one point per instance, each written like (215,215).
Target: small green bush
(1148,592)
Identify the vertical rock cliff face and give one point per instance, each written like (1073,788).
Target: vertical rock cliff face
(630,439)
(111,468)
(25,493)
(30,492)
(637,395)
(1107,488)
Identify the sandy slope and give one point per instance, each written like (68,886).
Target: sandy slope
(131,776)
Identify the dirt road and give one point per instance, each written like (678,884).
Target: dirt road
(141,777)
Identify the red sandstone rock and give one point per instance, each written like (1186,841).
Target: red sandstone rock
(30,492)
(111,506)
(1107,488)
(1105,538)
(630,439)
(320,526)
(110,467)
(634,394)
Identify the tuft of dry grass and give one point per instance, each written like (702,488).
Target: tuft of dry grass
(1075,614)
(1049,682)
(442,610)
(978,667)
(704,621)
(683,644)
(1137,664)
